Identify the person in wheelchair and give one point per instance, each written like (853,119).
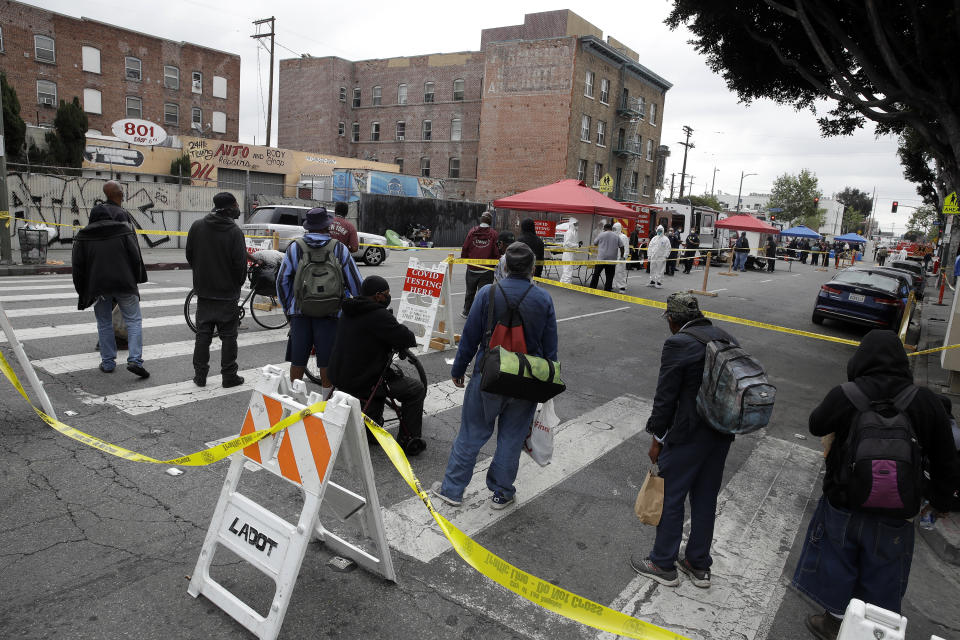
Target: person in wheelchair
(361,363)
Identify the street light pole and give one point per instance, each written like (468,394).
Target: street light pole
(713,183)
(740,190)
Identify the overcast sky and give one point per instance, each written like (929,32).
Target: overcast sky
(764,139)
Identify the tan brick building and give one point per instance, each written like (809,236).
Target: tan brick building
(116,73)
(545,100)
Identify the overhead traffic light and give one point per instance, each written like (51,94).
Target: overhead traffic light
(816,201)
(893,208)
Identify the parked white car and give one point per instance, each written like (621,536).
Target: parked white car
(288,222)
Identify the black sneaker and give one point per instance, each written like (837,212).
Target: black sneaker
(646,567)
(824,626)
(699,577)
(104,368)
(200,380)
(232,381)
(138,369)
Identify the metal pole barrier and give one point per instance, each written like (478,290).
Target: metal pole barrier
(28,371)
(276,241)
(6,248)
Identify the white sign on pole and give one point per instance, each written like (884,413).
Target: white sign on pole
(420,299)
(139,131)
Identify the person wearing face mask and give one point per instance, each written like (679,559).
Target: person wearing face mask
(218,257)
(367,337)
(658,250)
(571,242)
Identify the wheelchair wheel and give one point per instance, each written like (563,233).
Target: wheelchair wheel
(413,446)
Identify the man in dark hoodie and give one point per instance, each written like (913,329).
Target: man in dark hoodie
(107,267)
(480,243)
(850,553)
(367,336)
(528,236)
(111,208)
(218,256)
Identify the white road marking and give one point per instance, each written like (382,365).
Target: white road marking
(66,330)
(152,352)
(42,279)
(577,443)
(759,510)
(768,280)
(37,287)
(587,315)
(72,295)
(717,290)
(52,311)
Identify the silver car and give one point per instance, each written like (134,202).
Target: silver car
(287,221)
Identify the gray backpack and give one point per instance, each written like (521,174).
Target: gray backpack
(735,396)
(318,283)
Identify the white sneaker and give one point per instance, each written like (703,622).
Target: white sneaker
(659,286)
(435,490)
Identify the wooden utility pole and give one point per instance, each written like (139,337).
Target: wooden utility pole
(686,147)
(270,35)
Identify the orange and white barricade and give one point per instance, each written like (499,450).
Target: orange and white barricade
(303,454)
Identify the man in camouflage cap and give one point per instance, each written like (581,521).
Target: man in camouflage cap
(690,454)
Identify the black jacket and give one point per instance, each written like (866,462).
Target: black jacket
(674,413)
(110,211)
(367,336)
(106,261)
(530,239)
(743,245)
(880,369)
(218,256)
(771,248)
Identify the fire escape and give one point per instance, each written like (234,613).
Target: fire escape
(629,147)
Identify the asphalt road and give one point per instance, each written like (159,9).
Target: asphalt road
(98,547)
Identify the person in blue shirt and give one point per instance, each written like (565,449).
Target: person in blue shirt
(308,333)
(482,410)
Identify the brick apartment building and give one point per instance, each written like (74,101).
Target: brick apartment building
(542,101)
(116,73)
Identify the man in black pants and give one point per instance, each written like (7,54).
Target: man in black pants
(218,256)
(367,336)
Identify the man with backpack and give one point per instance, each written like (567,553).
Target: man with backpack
(482,410)
(860,540)
(316,275)
(689,452)
(218,257)
(480,244)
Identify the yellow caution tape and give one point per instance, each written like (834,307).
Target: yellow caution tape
(526,585)
(198,459)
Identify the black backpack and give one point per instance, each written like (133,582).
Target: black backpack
(882,462)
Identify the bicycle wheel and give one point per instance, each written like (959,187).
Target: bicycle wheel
(190,310)
(267,311)
(312,370)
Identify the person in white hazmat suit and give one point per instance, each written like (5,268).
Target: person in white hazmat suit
(571,242)
(620,274)
(657,251)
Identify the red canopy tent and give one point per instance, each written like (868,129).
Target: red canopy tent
(744,222)
(565,196)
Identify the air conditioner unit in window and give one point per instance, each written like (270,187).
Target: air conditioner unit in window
(196,86)
(400,138)
(46,101)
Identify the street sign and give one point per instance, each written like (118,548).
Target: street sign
(775,209)
(606,184)
(139,131)
(950,205)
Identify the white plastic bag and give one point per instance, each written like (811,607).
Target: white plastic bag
(539,442)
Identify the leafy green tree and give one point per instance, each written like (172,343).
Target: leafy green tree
(856,200)
(923,221)
(180,169)
(14,128)
(69,136)
(797,196)
(920,167)
(852,220)
(706,201)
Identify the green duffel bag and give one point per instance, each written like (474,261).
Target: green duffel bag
(520,375)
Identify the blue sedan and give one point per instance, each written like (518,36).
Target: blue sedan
(862,297)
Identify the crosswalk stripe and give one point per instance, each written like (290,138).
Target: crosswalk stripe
(65,330)
(71,295)
(760,510)
(83,361)
(577,443)
(53,311)
(37,287)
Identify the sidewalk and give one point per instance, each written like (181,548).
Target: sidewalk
(944,538)
(58,261)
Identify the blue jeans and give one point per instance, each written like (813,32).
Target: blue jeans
(130,308)
(693,468)
(739,261)
(480,413)
(848,554)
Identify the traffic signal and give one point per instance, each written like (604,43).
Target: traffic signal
(816,201)
(893,209)
(772,217)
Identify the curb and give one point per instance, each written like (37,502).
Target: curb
(944,538)
(49,269)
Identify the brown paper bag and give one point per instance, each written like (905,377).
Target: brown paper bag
(649,505)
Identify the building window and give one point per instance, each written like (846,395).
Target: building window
(427,130)
(219,87)
(134,68)
(46,93)
(44,49)
(341,128)
(399,163)
(90,58)
(653,113)
(196,82)
(219,122)
(601,133)
(454,171)
(621,139)
(134,107)
(588,84)
(171,77)
(646,185)
(637,144)
(343,94)
(92,101)
(356,97)
(425,167)
(196,118)
(401,130)
(456,129)
(649,150)
(428,92)
(642,106)
(585,128)
(1,39)
(634,179)
(605,91)
(171,114)
(377,96)
(402,94)
(458,89)
(375,131)
(355,132)
(597,173)
(581,169)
